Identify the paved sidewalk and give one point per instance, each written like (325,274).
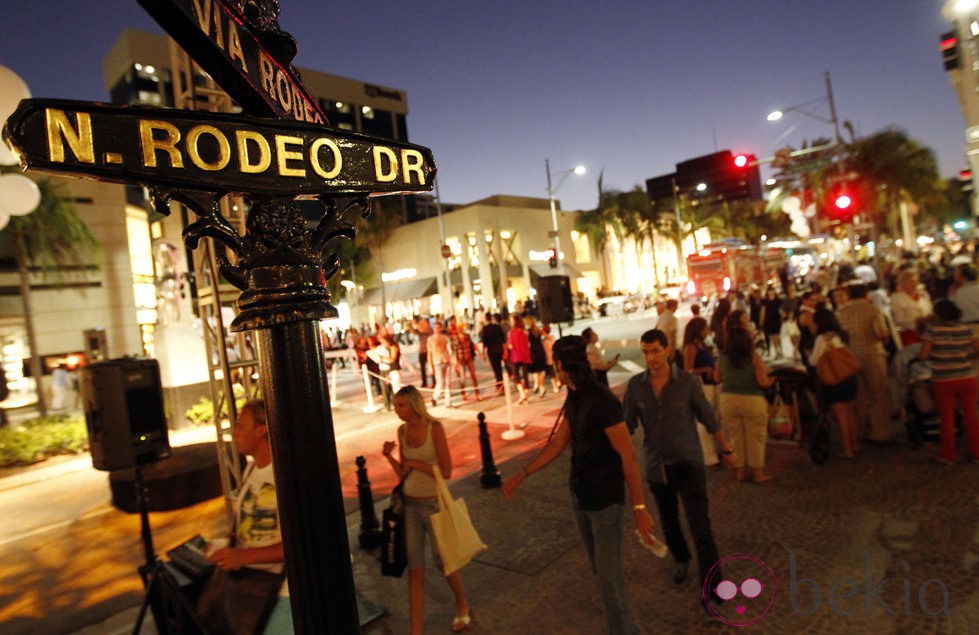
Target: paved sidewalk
(888,543)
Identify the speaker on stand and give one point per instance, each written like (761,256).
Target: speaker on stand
(554,297)
(127,428)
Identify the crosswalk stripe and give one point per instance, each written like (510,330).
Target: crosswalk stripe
(630,365)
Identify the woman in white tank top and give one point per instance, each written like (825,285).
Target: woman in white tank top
(423,448)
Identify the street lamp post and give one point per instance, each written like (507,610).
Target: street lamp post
(555,234)
(446,287)
(775,115)
(833,121)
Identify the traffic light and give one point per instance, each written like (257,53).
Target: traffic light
(726,175)
(552,259)
(965,179)
(841,202)
(950,51)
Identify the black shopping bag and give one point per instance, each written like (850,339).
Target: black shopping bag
(394,551)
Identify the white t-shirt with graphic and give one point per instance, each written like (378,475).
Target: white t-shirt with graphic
(257,513)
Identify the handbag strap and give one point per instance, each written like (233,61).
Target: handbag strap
(557,420)
(441,489)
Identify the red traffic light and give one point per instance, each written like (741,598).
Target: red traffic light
(842,202)
(741,160)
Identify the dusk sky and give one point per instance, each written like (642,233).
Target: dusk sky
(494,88)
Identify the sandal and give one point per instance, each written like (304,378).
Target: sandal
(463,622)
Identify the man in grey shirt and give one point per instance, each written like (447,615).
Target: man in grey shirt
(668,402)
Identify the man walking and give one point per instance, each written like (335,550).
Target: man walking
(669,325)
(423,329)
(868,331)
(668,402)
(439,362)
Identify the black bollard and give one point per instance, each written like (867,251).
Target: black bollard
(491,475)
(370,527)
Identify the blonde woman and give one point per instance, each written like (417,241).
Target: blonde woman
(423,449)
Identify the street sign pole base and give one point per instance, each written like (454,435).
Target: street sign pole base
(512,435)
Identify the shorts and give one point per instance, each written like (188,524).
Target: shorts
(417,513)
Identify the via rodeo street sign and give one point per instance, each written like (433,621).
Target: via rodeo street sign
(240,45)
(212,152)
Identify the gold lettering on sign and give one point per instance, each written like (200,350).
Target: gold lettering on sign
(193,151)
(204,16)
(61,131)
(283,154)
(380,154)
(167,144)
(283,89)
(242,137)
(234,46)
(267,71)
(314,158)
(412,161)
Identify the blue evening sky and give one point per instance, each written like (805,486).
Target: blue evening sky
(632,87)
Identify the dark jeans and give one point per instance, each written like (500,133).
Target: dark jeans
(496,362)
(689,484)
(423,366)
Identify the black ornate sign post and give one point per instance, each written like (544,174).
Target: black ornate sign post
(198,158)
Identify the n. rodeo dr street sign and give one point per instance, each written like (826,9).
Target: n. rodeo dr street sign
(212,152)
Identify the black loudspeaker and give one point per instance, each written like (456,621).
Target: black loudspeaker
(554,297)
(123,401)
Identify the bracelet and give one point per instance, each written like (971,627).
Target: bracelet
(639,507)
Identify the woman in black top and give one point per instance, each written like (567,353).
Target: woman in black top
(602,457)
(771,322)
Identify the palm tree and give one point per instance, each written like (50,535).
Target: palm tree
(596,224)
(892,168)
(640,220)
(49,238)
(711,217)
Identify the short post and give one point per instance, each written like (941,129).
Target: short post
(371,407)
(490,476)
(370,527)
(510,434)
(333,384)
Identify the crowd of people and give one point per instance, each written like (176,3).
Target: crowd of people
(705,397)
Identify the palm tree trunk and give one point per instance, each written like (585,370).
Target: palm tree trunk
(25,296)
(652,248)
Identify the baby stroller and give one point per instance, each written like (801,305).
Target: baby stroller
(797,387)
(914,395)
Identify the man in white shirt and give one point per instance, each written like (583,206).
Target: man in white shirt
(965,294)
(669,324)
(439,361)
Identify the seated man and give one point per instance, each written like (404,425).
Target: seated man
(254,558)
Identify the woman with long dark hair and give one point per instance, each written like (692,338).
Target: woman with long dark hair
(743,377)
(603,467)
(698,360)
(717,322)
(841,397)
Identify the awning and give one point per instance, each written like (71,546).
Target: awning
(401,291)
(543,270)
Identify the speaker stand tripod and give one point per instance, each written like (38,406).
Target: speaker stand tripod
(172,612)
